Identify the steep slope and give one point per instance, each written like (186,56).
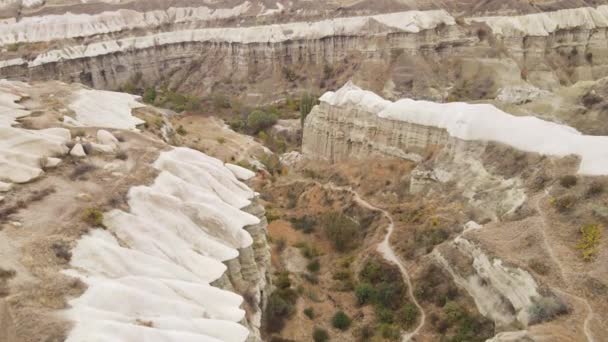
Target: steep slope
(123,238)
(420,50)
(523,266)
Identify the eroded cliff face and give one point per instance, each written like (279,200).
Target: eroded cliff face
(115,235)
(426,54)
(462,154)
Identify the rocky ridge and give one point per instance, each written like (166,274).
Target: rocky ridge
(102,50)
(126,248)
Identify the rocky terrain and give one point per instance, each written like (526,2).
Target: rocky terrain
(466,50)
(513,184)
(108,235)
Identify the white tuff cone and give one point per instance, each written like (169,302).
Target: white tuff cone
(78,151)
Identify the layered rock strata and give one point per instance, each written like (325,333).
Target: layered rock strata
(421,53)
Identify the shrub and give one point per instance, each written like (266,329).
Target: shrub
(272,163)
(594,189)
(305,223)
(568,181)
(181,130)
(280,244)
(278,309)
(364,293)
(341,321)
(546,308)
(306,104)
(282,280)
(289,74)
(309,312)
(539,266)
(13,47)
(589,241)
(342,231)
(62,251)
(320,335)
(408,315)
(389,295)
(565,203)
(314,266)
(389,331)
(259,120)
(307,250)
(93,217)
(149,95)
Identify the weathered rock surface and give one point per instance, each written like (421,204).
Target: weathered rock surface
(409,53)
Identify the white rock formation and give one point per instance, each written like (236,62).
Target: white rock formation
(23,152)
(492,283)
(70,25)
(78,151)
(546,23)
(97,108)
(154,265)
(106,138)
(477,122)
(240,172)
(411,21)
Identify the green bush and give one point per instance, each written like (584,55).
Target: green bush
(314,266)
(365,293)
(307,250)
(305,223)
(546,308)
(320,335)
(408,315)
(306,104)
(149,95)
(309,312)
(278,309)
(181,130)
(342,231)
(272,163)
(259,120)
(389,331)
(568,181)
(589,241)
(93,217)
(341,321)
(565,203)
(594,189)
(282,280)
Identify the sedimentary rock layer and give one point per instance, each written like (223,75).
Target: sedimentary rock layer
(419,53)
(353,122)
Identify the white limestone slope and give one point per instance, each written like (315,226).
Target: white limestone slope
(149,272)
(23,152)
(546,23)
(99,108)
(492,284)
(483,122)
(70,25)
(410,21)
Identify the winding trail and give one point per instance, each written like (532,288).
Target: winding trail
(387,252)
(558,263)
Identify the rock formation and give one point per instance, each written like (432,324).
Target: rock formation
(409,53)
(184,254)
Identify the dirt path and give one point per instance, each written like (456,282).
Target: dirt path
(387,252)
(556,261)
